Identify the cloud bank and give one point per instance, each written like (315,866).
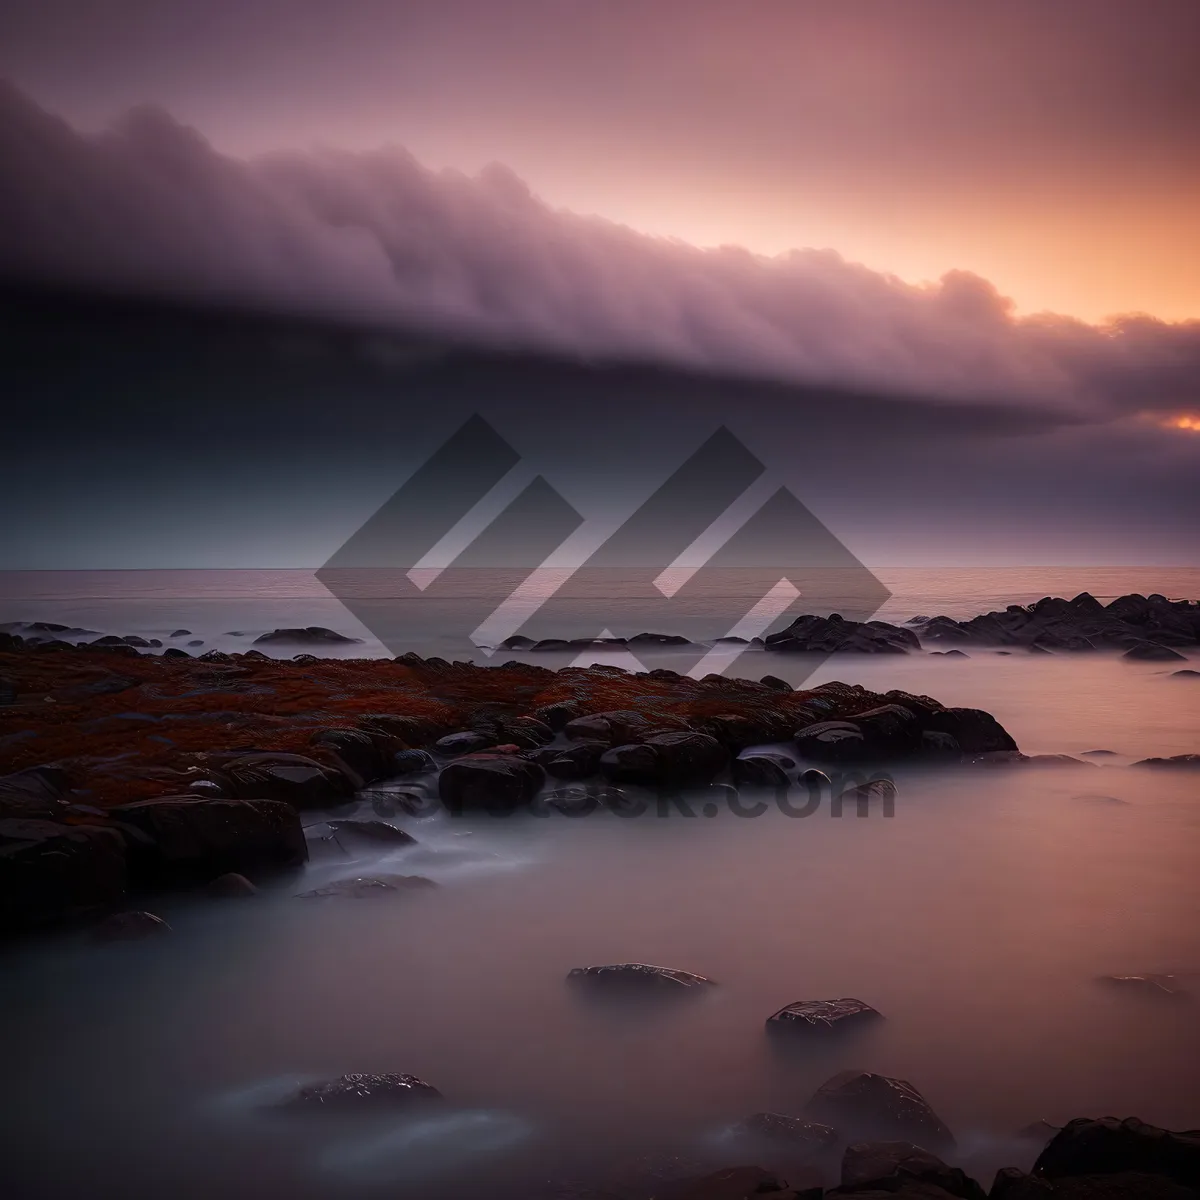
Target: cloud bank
(149,206)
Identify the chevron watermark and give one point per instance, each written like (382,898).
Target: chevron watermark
(714,558)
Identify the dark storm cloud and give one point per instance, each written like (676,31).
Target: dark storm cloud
(149,206)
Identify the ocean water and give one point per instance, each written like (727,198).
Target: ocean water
(977,918)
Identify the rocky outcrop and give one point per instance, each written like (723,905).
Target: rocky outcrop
(666,760)
(313,635)
(833,635)
(1109,1146)
(638,978)
(361,1093)
(1177,762)
(51,873)
(862,1104)
(176,841)
(808,1017)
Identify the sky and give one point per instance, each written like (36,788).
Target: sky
(962,235)
(1051,148)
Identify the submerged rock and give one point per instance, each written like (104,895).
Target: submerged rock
(762,770)
(638,977)
(786,1130)
(231,886)
(1152,652)
(666,759)
(373,887)
(373,831)
(129,927)
(361,1093)
(863,1104)
(1177,761)
(494,782)
(822,1016)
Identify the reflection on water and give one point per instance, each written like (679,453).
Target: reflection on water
(977,920)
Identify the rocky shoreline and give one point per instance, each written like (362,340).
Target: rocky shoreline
(129,772)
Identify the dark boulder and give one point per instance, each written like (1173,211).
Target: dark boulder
(863,1104)
(976,731)
(807,1017)
(785,1130)
(578,760)
(38,792)
(1152,652)
(761,770)
(493,782)
(231,886)
(468,741)
(891,1166)
(615,728)
(1108,1146)
(313,635)
(129,927)
(638,978)
(361,1093)
(666,760)
(1013,1184)
(51,872)
(356,752)
(410,762)
(1176,762)
(178,840)
(378,832)
(369,887)
(301,782)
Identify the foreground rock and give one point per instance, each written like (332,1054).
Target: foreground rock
(369,887)
(378,832)
(362,1093)
(180,840)
(493,782)
(807,1017)
(638,978)
(862,1104)
(894,1166)
(666,760)
(793,1132)
(1110,1146)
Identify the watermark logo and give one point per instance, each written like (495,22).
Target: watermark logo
(715,558)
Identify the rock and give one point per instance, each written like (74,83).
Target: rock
(1186,674)
(666,760)
(466,742)
(379,832)
(1037,1131)
(129,927)
(494,782)
(381,887)
(301,782)
(37,792)
(892,1165)
(1110,1146)
(807,1017)
(639,978)
(175,652)
(615,728)
(579,760)
(1012,1184)
(833,635)
(789,1131)
(410,762)
(1148,985)
(51,873)
(183,840)
(976,731)
(182,633)
(816,782)
(880,791)
(775,683)
(1177,761)
(314,635)
(231,886)
(863,1104)
(1152,652)
(196,642)
(355,752)
(761,770)
(361,1093)
(961,653)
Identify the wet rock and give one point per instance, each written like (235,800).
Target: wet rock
(775,683)
(1147,985)
(879,791)
(51,872)
(196,642)
(761,770)
(786,1130)
(891,1166)
(666,760)
(231,886)
(833,635)
(411,762)
(578,760)
(958,653)
(175,652)
(207,789)
(181,840)
(863,1104)
(1109,1146)
(369,887)
(294,779)
(638,978)
(362,1093)
(808,1017)
(129,927)
(37,792)
(1176,762)
(182,633)
(1152,652)
(615,728)
(379,832)
(313,635)
(466,742)
(976,731)
(355,752)
(493,782)
(1186,674)
(817,782)
(937,746)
